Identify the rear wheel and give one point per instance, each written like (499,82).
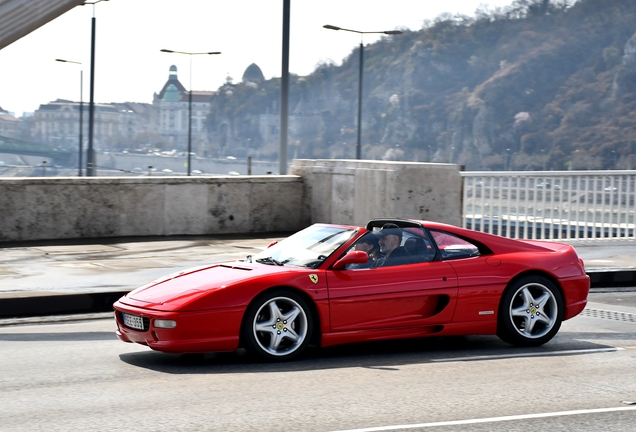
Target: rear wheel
(530,312)
(278,326)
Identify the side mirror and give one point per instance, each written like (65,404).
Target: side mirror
(353,257)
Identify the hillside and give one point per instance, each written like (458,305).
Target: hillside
(538,85)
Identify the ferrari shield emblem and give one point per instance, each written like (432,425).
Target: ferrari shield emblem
(313,278)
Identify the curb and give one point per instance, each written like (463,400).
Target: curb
(63,304)
(55,319)
(614,278)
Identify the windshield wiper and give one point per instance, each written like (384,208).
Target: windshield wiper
(269,260)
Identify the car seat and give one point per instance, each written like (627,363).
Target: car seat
(416,246)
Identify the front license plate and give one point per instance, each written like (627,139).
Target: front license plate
(133,321)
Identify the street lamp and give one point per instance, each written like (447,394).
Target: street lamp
(190,54)
(90,156)
(284,91)
(361,64)
(81,114)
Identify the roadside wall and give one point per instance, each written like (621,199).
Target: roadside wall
(89,207)
(328,191)
(353,192)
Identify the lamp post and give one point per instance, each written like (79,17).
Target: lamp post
(90,156)
(361,66)
(81,114)
(190,54)
(284,91)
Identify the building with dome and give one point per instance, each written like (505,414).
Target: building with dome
(253,74)
(129,125)
(162,124)
(172,104)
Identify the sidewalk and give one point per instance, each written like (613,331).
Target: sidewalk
(63,277)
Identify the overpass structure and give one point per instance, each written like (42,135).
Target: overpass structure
(19,147)
(18,18)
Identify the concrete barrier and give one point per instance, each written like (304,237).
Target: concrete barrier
(353,191)
(93,207)
(328,191)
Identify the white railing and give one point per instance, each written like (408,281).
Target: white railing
(550,205)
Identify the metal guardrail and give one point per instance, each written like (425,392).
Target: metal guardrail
(551,205)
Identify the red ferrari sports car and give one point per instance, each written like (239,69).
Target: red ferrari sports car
(336,284)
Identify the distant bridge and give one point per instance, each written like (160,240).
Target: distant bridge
(25,148)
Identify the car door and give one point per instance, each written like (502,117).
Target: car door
(397,296)
(481,279)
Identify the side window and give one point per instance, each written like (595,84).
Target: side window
(452,247)
(419,246)
(409,246)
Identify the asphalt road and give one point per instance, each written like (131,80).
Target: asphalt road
(78,376)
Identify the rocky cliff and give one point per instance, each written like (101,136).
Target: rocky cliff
(538,85)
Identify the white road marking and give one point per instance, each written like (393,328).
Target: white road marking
(533,354)
(492,419)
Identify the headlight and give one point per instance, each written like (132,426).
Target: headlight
(165,323)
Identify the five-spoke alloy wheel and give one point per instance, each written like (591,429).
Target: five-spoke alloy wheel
(530,312)
(278,326)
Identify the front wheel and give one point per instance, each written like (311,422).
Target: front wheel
(530,312)
(278,326)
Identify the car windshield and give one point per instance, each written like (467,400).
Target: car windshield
(307,248)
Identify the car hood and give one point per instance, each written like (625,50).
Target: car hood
(184,290)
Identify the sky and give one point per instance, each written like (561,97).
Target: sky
(129,66)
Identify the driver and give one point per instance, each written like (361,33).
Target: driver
(390,238)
